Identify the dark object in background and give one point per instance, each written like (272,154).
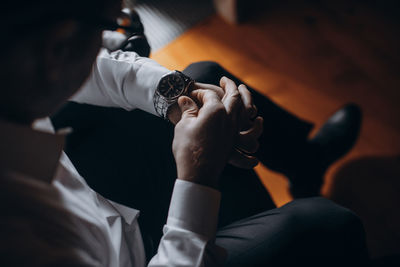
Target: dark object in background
(136,41)
(238,11)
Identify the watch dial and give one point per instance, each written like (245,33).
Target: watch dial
(171,86)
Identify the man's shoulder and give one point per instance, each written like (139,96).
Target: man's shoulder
(35,226)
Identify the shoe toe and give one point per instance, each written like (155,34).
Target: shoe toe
(339,133)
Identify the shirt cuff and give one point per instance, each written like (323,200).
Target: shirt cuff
(112,40)
(194,208)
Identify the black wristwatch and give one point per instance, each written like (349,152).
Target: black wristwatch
(171,86)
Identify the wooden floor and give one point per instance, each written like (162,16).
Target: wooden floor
(312,59)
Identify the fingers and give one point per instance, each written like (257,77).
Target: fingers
(246,97)
(247,100)
(232,99)
(241,160)
(208,101)
(188,107)
(247,144)
(248,140)
(218,90)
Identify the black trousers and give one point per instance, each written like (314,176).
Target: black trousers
(127,157)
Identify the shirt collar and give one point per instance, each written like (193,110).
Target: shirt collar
(28,151)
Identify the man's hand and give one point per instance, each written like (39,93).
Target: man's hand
(250,110)
(204,136)
(174,112)
(250,127)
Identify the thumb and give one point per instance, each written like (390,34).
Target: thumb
(188,107)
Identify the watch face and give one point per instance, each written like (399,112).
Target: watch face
(171,86)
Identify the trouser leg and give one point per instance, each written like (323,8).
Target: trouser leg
(283,144)
(305,232)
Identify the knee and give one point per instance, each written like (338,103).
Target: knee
(333,227)
(206,66)
(325,213)
(205,72)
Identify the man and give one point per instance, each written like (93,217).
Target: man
(51,217)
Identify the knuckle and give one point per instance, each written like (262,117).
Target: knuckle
(235,100)
(236,95)
(243,89)
(210,91)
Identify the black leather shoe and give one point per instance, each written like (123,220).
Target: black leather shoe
(334,139)
(338,134)
(136,40)
(138,44)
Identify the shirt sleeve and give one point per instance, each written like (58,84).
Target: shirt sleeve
(189,234)
(122,79)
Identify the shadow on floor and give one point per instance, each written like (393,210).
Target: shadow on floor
(370,186)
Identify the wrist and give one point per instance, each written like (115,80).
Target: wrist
(208,182)
(196,171)
(174,113)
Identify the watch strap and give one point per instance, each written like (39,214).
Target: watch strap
(161,105)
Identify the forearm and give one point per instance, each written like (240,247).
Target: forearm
(122,79)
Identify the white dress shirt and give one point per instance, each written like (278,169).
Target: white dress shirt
(49,213)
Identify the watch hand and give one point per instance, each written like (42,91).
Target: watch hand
(167,92)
